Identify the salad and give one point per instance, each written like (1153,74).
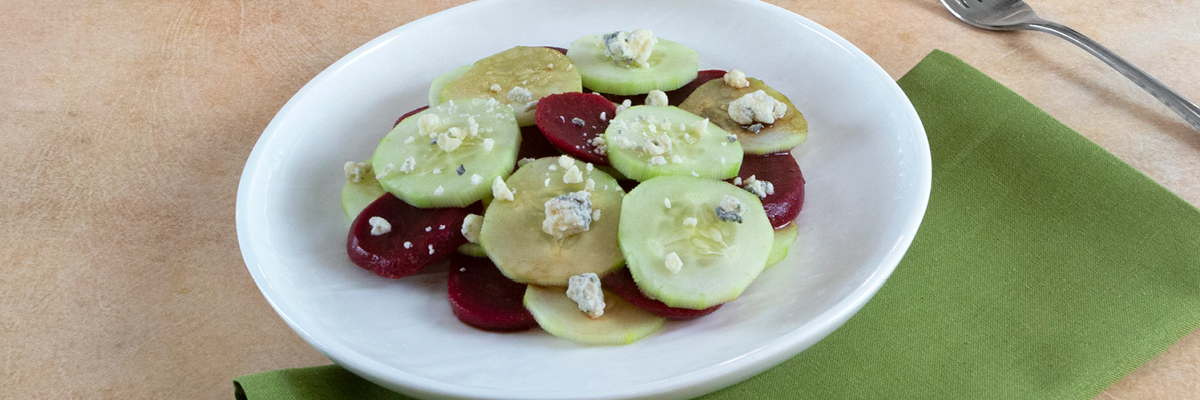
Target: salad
(660,195)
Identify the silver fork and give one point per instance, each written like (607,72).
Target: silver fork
(1005,15)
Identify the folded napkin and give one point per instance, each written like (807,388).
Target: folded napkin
(1045,268)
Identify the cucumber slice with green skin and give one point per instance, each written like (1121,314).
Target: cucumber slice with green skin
(512,232)
(709,154)
(671,65)
(711,100)
(714,271)
(542,71)
(784,237)
(475,250)
(440,81)
(435,168)
(622,323)
(358,195)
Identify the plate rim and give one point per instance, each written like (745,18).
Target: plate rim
(694,383)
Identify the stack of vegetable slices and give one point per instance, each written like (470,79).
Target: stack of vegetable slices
(596,216)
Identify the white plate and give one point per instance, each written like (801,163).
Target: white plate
(866,161)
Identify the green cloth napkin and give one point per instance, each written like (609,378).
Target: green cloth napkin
(1045,268)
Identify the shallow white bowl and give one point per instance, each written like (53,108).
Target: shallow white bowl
(866,161)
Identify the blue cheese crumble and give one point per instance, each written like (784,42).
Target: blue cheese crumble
(356,171)
(568,214)
(736,79)
(623,106)
(585,290)
(520,95)
(500,190)
(428,124)
(387,169)
(730,209)
(379,226)
(470,228)
(629,49)
(573,175)
(760,188)
(656,98)
(756,106)
(673,263)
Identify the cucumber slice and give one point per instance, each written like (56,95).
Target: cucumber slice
(707,154)
(434,181)
(671,65)
(475,250)
(711,100)
(358,195)
(784,237)
(440,81)
(622,323)
(512,232)
(713,271)
(540,70)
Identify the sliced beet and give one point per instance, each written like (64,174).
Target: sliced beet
(409,114)
(482,297)
(571,120)
(559,49)
(534,144)
(674,97)
(439,229)
(622,284)
(782,171)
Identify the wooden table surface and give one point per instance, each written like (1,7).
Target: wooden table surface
(124,127)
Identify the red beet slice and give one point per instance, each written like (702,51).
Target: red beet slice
(559,49)
(409,114)
(782,171)
(622,284)
(484,298)
(571,120)
(674,97)
(433,234)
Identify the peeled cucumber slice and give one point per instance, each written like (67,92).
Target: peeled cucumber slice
(672,65)
(540,70)
(622,323)
(784,237)
(711,100)
(703,152)
(512,232)
(434,181)
(720,259)
(440,81)
(358,195)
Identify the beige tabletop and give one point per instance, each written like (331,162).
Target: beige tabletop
(124,127)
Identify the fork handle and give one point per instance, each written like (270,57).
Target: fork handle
(1172,100)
